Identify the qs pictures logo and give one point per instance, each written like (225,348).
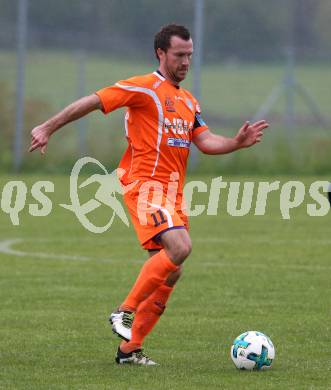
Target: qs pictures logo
(15,194)
(239,198)
(109,186)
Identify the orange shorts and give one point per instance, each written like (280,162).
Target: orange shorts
(153,212)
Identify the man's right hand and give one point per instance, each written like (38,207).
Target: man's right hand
(39,139)
(76,110)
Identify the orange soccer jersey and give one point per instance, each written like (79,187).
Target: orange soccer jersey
(160,123)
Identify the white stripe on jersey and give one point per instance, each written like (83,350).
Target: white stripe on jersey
(158,104)
(126,118)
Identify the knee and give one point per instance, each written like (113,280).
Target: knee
(181,252)
(186,250)
(177,244)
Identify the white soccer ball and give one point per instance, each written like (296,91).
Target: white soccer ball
(252,351)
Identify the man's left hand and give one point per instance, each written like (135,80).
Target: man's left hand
(250,134)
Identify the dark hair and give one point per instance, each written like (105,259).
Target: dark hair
(163,37)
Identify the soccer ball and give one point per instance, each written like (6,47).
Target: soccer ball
(252,351)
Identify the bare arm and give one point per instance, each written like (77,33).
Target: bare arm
(248,135)
(41,134)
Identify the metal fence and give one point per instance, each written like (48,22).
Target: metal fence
(251,60)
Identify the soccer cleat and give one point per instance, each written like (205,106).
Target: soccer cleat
(121,323)
(134,357)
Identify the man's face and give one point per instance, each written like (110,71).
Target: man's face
(176,60)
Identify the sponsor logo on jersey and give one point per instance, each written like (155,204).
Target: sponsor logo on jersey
(179,143)
(177,126)
(169,104)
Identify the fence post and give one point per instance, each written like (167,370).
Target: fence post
(81,87)
(198,39)
(22,28)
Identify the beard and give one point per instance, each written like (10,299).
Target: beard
(177,74)
(181,74)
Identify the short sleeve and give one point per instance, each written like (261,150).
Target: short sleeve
(121,94)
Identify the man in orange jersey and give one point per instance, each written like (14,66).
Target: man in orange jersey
(161,122)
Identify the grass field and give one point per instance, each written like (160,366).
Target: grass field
(59,283)
(227,89)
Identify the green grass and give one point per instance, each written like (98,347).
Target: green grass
(245,273)
(235,90)
(231,94)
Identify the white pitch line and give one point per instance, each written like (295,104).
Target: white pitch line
(6,248)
